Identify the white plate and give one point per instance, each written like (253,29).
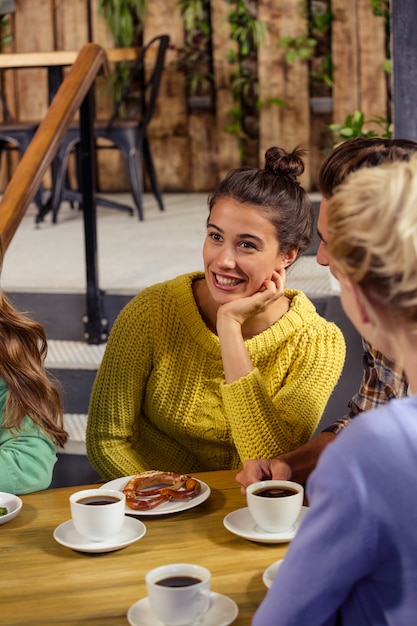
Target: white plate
(132,530)
(269,573)
(174,506)
(222,612)
(12,503)
(241,523)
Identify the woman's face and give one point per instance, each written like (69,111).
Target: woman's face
(240,251)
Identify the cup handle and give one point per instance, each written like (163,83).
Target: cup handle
(208,599)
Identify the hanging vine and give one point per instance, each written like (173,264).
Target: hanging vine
(248,32)
(195,57)
(125,20)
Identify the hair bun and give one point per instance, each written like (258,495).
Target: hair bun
(282,163)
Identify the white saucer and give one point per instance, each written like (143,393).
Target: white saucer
(222,612)
(132,530)
(269,573)
(241,523)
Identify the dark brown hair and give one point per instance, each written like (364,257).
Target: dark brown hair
(353,154)
(277,192)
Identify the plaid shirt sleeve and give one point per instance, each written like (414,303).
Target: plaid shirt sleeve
(382,380)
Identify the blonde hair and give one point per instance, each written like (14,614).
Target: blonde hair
(372,221)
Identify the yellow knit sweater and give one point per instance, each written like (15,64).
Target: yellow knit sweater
(160,400)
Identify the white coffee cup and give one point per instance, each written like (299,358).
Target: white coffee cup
(179,593)
(275,504)
(98,514)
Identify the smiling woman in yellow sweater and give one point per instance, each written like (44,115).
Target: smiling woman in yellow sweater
(206,370)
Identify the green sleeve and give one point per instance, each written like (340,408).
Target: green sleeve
(27,459)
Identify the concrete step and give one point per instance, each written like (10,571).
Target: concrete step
(74,364)
(75,424)
(73,355)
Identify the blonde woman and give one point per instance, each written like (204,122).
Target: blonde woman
(353,561)
(30,406)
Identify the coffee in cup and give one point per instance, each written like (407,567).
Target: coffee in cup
(275,505)
(98,514)
(179,593)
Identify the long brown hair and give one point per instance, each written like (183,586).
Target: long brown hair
(23,349)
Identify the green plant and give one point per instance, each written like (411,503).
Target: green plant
(124,19)
(381,8)
(248,32)
(315,44)
(298,48)
(193,13)
(5,35)
(320,25)
(354,126)
(194,57)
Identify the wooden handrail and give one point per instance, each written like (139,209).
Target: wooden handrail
(37,158)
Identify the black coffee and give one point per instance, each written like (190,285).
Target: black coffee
(98,500)
(178,581)
(275,492)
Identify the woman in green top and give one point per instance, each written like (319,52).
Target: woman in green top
(30,406)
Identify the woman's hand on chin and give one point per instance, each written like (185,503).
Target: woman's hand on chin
(242,309)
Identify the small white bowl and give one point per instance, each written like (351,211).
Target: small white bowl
(12,503)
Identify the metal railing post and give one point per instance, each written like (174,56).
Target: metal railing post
(95,324)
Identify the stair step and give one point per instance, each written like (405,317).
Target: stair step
(74,355)
(75,424)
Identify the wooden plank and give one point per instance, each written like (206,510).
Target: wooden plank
(371,46)
(226,145)
(345,54)
(290,125)
(105,94)
(71,24)
(207,152)
(111,170)
(173,171)
(202,134)
(169,126)
(34,30)
(27,89)
(8,84)
(358,49)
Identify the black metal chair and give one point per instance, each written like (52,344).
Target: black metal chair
(129,134)
(17,135)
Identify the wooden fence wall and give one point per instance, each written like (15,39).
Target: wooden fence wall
(192,151)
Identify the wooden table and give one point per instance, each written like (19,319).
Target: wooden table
(19,60)
(56,60)
(44,583)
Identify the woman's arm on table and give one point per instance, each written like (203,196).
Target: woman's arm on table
(296,465)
